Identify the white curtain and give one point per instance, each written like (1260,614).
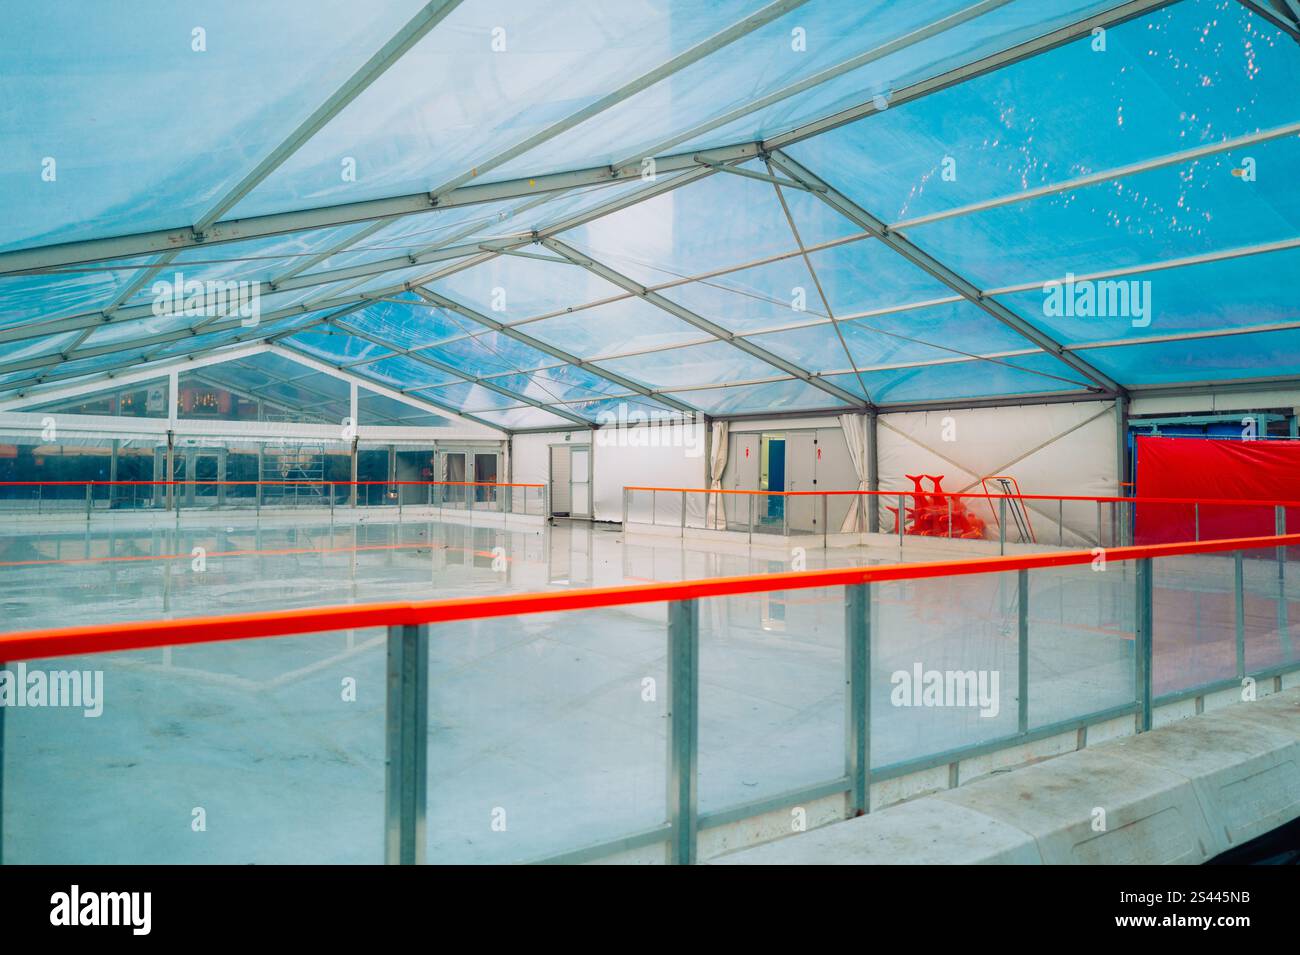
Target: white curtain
(855,436)
(716,514)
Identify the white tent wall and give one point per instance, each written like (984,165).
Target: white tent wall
(530,455)
(1214,403)
(658,456)
(1057,449)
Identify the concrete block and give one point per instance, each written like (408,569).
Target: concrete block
(1173,712)
(1117,728)
(1245,774)
(923,832)
(889,792)
(1004,760)
(1150,815)
(731,836)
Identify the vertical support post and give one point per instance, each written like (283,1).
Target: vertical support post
(1121,445)
(89,501)
(1142,644)
(654,506)
(873,475)
(406,744)
(785,514)
(1239,592)
(1279,528)
(1002,524)
(857,696)
(352,497)
(683,515)
(902,519)
(171,469)
(1060,522)
(1196,520)
(329,488)
(626,495)
(1022,657)
(826,528)
(751,517)
(683,728)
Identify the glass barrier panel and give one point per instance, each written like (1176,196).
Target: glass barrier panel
(1081,639)
(546,733)
(944,664)
(667,508)
(1271,609)
(771,694)
(1194,631)
(249,752)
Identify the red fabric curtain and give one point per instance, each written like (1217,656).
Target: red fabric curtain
(1214,469)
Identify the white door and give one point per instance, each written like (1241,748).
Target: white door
(561,488)
(580,482)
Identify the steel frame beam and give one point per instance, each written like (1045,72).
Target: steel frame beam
(411,33)
(825,76)
(686,315)
(568,180)
(474,252)
(821,292)
(1285,19)
(426,404)
(566,358)
(423,359)
(1105,175)
(904,247)
(162,240)
(681,61)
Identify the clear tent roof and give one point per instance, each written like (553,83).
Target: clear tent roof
(537,215)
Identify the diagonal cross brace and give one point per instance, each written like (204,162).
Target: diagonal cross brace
(927,263)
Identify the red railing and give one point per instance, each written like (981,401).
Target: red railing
(102,638)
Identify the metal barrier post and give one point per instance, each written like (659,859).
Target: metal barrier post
(1279,528)
(89,491)
(406,744)
(902,519)
(683,534)
(1239,591)
(857,696)
(1142,644)
(1002,525)
(751,518)
(330,489)
(826,530)
(1060,522)
(258,508)
(626,495)
(683,728)
(40,494)
(654,507)
(1022,614)
(1196,521)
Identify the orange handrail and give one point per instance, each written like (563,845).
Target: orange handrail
(102,638)
(1022,497)
(184,481)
